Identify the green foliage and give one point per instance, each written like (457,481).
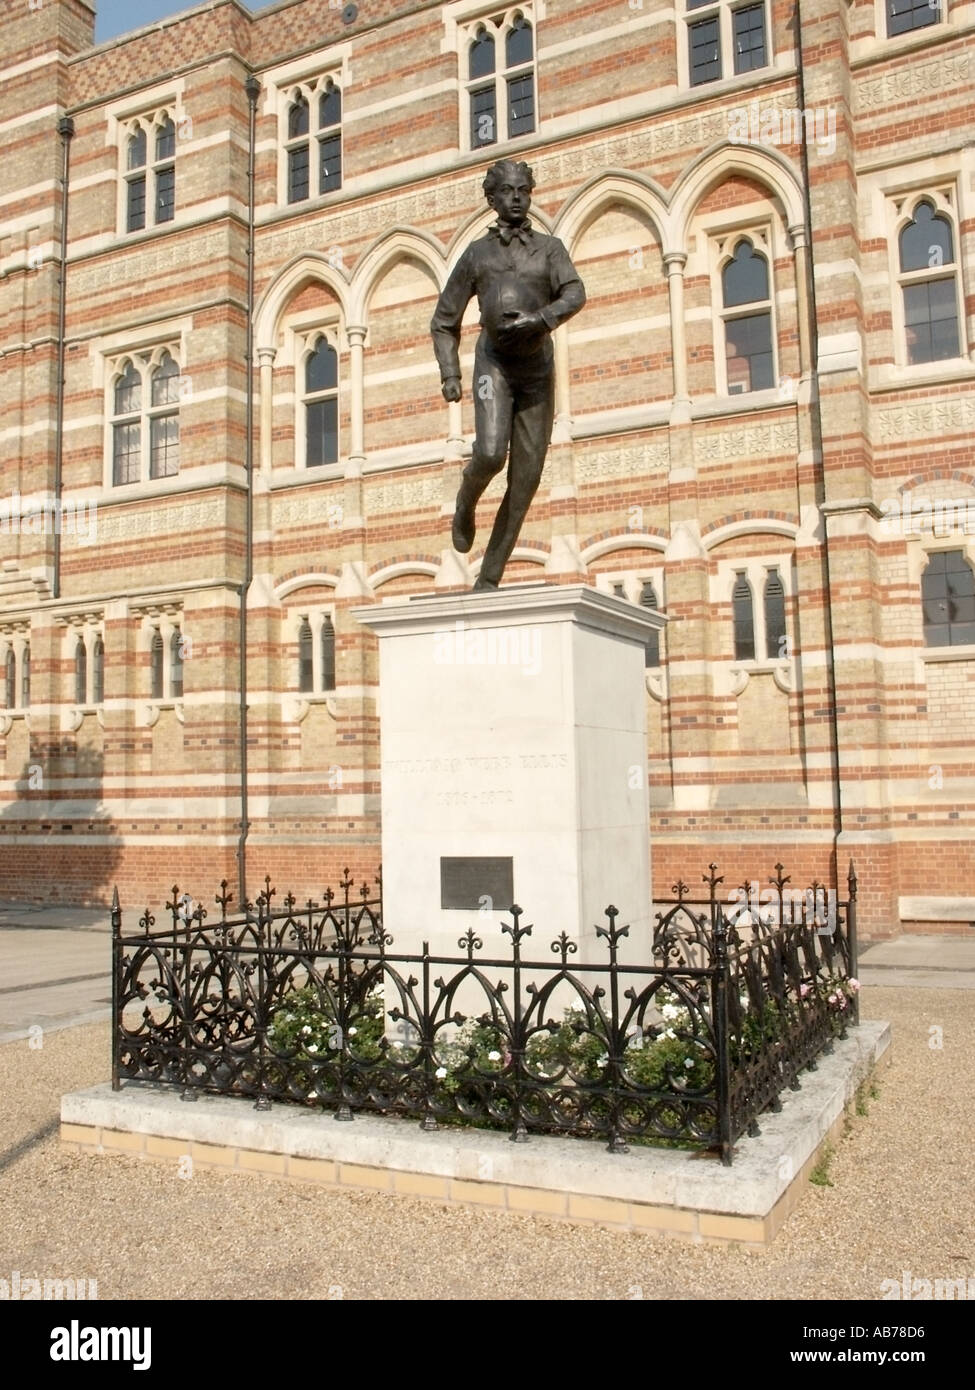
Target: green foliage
(666,1058)
(819,1176)
(307,1024)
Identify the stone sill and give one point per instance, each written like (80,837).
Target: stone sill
(662,1191)
(938,654)
(888,377)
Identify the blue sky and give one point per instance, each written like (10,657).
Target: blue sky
(114,17)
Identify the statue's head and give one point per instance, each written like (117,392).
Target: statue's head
(508,188)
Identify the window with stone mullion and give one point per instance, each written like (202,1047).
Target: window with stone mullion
(725,39)
(501,93)
(903,16)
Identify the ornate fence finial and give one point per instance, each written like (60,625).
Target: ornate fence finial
(222,899)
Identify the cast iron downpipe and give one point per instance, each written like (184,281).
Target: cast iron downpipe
(253,88)
(66,131)
(816,419)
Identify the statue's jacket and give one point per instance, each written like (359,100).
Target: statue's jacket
(508,268)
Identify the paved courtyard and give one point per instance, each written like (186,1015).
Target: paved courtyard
(901,1195)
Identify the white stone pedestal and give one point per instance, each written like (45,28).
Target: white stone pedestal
(513,725)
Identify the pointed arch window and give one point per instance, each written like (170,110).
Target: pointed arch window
(164,420)
(176,664)
(127,427)
(25,678)
(321,405)
(948,600)
(330,139)
(156,654)
(306,673)
(10,679)
(298,150)
(482,94)
(929,285)
(327,640)
(98,672)
(165,171)
(743,617)
(747,317)
(648,599)
(80,672)
(774,599)
(135,181)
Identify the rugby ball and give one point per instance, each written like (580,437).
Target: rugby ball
(505,298)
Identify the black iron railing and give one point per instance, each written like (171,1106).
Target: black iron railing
(314,1005)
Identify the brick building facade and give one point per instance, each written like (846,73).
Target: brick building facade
(764,419)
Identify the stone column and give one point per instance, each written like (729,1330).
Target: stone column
(265,357)
(674,262)
(800,251)
(356,337)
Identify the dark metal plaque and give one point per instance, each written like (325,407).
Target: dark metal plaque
(465,883)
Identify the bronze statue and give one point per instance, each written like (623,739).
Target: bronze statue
(526,285)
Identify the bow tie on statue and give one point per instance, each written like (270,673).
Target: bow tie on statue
(507,233)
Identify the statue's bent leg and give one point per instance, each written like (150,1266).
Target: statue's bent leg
(531,431)
(493,406)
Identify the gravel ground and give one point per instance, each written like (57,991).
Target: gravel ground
(902,1198)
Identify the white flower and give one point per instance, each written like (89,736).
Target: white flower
(669,1033)
(440,1073)
(352,1032)
(306,1029)
(671,1011)
(688,1061)
(313,1047)
(602,1061)
(494,1056)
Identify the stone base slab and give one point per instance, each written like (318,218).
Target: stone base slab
(661,1191)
